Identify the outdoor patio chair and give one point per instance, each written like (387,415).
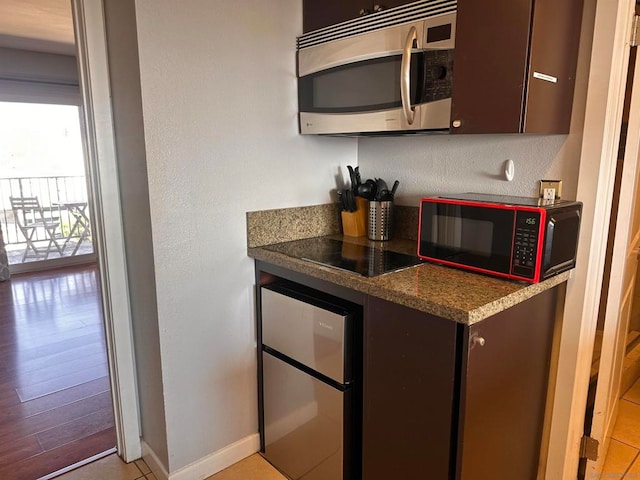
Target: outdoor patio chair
(30,216)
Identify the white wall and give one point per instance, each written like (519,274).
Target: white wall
(219,105)
(427,165)
(121,33)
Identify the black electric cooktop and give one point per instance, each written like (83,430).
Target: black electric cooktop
(361,259)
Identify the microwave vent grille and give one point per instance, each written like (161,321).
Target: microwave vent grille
(394,16)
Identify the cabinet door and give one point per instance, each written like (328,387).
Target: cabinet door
(553,61)
(515,65)
(490,66)
(408,390)
(322,13)
(504,391)
(379,5)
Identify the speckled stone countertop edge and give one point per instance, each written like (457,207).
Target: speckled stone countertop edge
(387,288)
(529,291)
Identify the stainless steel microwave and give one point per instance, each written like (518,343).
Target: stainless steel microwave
(397,78)
(521,238)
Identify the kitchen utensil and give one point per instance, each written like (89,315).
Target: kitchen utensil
(368,189)
(352,177)
(380,217)
(381,184)
(350,201)
(384,196)
(394,188)
(364,190)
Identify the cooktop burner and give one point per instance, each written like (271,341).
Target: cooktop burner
(360,259)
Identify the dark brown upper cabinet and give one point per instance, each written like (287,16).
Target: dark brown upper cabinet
(322,13)
(515,64)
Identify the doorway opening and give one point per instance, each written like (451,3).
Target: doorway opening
(44,202)
(56,401)
(55,390)
(614,387)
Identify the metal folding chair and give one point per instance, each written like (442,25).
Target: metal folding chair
(30,217)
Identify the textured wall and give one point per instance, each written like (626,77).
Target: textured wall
(219,105)
(428,165)
(120,23)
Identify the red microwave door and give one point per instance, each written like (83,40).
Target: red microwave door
(475,236)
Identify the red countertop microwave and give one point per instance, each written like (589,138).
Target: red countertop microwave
(520,238)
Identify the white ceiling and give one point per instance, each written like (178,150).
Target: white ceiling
(38,25)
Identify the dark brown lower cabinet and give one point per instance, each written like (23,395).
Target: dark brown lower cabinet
(408,392)
(450,401)
(504,378)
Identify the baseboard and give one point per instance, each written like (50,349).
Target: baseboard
(154,463)
(206,466)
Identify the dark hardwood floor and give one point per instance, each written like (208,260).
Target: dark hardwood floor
(55,398)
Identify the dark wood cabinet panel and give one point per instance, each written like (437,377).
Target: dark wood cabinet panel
(490,65)
(322,13)
(318,14)
(387,4)
(408,392)
(503,391)
(500,44)
(554,52)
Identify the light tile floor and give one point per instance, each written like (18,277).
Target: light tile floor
(113,468)
(110,467)
(623,456)
(622,462)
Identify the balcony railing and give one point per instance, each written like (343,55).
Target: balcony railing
(56,196)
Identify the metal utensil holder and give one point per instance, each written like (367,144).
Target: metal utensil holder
(380,218)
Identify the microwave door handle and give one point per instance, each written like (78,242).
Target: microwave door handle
(405,76)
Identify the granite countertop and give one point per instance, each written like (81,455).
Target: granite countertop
(450,293)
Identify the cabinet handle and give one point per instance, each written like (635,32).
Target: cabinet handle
(477,340)
(364,11)
(405,76)
(378,8)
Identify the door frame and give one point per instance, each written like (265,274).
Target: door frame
(601,133)
(102,176)
(622,279)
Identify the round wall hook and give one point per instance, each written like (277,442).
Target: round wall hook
(509,170)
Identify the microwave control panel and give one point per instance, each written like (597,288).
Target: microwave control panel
(525,243)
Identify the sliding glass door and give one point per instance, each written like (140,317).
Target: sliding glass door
(44,206)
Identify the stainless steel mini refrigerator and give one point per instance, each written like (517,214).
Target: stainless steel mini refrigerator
(307,393)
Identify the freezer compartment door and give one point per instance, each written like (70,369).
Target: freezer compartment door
(312,335)
(303,423)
